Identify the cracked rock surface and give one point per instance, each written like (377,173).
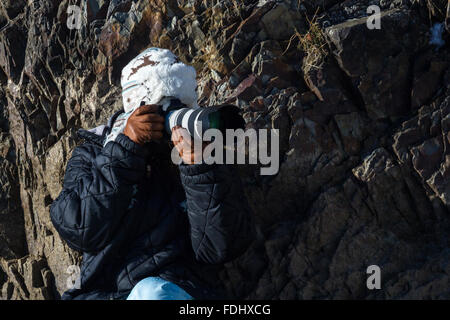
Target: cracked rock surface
(363,119)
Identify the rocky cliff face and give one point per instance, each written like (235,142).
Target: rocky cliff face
(364,133)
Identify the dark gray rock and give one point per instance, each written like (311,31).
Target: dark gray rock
(364,135)
(378,62)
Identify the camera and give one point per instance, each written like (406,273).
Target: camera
(197,120)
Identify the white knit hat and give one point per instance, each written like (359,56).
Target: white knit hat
(154,74)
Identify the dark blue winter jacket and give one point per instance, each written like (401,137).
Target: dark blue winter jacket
(125,214)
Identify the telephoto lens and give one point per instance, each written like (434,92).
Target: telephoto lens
(197,121)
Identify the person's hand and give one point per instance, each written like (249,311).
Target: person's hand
(144,125)
(185,146)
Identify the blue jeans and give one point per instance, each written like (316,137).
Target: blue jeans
(155,288)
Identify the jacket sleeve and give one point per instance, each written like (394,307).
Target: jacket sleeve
(220,220)
(98,187)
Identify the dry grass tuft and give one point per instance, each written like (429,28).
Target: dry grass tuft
(313,43)
(436,8)
(237,11)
